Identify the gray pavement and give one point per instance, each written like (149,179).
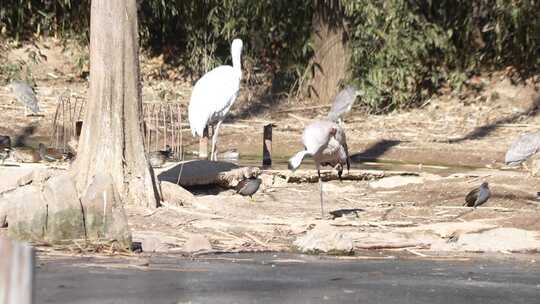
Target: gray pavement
(285,278)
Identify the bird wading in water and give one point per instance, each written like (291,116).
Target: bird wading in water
(478,196)
(325,142)
(213,95)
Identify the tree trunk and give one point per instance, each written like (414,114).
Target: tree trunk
(111,142)
(332,54)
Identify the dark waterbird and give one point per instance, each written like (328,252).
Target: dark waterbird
(248,186)
(478,196)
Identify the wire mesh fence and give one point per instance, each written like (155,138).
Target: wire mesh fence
(67,120)
(161,124)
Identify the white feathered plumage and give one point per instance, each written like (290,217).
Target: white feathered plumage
(214,94)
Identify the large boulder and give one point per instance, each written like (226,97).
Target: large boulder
(52,210)
(175,194)
(326,239)
(65,219)
(104,215)
(25,212)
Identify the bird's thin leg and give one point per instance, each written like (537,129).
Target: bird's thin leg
(339,168)
(320,191)
(215,131)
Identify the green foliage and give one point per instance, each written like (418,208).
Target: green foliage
(403,51)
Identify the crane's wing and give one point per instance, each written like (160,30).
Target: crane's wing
(342,103)
(522,148)
(212,97)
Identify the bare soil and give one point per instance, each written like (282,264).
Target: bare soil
(441,150)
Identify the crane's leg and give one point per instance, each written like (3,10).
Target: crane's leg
(320,191)
(339,169)
(215,131)
(203,144)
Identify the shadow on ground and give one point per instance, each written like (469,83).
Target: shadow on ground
(485,130)
(373,152)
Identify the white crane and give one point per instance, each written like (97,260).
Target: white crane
(325,142)
(213,96)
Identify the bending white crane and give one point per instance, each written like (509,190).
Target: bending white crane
(213,96)
(325,141)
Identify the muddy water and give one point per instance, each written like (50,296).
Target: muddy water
(280,163)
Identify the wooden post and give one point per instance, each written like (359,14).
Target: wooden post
(16,272)
(78,128)
(267,145)
(203,145)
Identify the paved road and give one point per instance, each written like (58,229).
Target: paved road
(270,278)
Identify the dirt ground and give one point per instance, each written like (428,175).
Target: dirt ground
(427,159)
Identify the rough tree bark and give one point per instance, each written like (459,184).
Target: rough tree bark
(112,140)
(332,54)
(111,169)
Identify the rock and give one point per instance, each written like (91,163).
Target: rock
(499,239)
(153,244)
(174,194)
(25,212)
(104,215)
(204,172)
(230,179)
(396,181)
(388,240)
(25,155)
(325,238)
(535,165)
(272,180)
(65,219)
(197,242)
(37,176)
(449,229)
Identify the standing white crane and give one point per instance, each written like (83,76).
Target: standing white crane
(325,142)
(213,96)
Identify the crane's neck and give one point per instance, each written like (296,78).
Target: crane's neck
(237,64)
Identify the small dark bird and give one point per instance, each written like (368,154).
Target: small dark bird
(478,196)
(248,186)
(158,158)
